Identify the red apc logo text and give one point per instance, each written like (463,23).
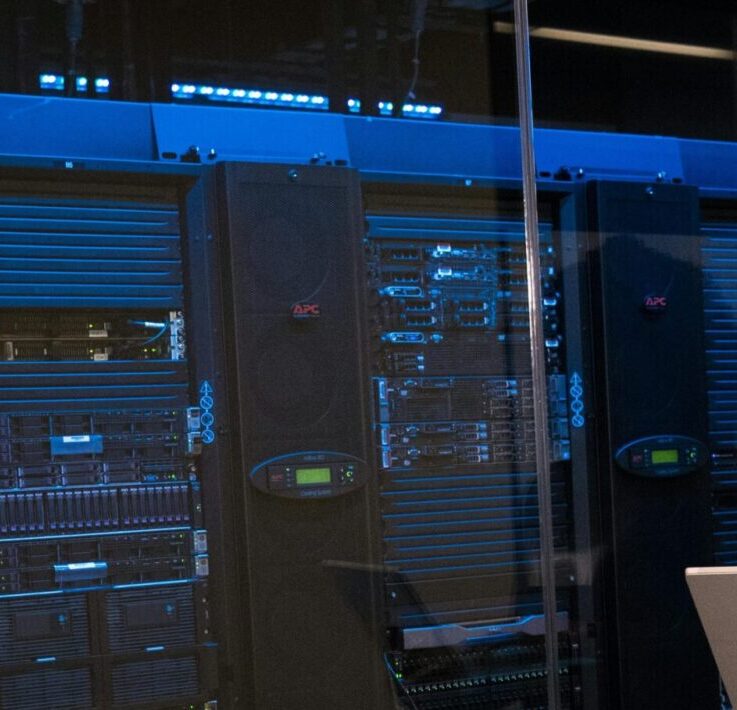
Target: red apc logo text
(655,305)
(306,310)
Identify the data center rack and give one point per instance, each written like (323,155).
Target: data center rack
(719,254)
(103,550)
(454,430)
(719,257)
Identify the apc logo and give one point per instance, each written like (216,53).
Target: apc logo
(655,304)
(306,310)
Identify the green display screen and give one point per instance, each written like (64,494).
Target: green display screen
(311,476)
(665,456)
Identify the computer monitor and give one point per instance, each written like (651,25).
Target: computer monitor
(714,591)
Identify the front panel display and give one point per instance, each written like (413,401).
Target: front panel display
(310,475)
(662,456)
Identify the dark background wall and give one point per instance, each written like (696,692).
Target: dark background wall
(364,48)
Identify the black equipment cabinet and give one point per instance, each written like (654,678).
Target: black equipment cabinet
(294,329)
(648,315)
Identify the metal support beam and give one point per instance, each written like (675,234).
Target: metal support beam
(537,349)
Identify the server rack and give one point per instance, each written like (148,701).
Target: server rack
(455,466)
(105,564)
(717,221)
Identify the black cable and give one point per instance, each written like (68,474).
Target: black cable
(417,27)
(158,335)
(74,27)
(163,327)
(415,69)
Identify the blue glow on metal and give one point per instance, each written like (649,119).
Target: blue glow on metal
(146,585)
(458,568)
(470,477)
(453,501)
(97,587)
(444,535)
(489,610)
(289,99)
(154,649)
(459,545)
(468,556)
(46,659)
(140,531)
(502,626)
(90,399)
(514,519)
(428,513)
(152,373)
(87,486)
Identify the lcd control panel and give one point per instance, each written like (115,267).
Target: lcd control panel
(315,474)
(660,456)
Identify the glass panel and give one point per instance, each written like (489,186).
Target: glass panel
(645,343)
(381,457)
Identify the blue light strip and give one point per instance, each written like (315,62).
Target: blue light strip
(97,587)
(55,82)
(288,99)
(250,97)
(106,533)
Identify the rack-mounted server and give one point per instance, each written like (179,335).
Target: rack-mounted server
(103,547)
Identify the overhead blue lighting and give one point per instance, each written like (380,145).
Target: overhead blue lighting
(55,82)
(386,108)
(288,99)
(252,97)
(51,81)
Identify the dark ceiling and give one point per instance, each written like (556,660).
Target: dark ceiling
(364,48)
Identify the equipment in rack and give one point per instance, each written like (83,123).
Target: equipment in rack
(718,248)
(92,335)
(455,434)
(103,550)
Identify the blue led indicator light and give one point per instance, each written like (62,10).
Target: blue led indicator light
(207,417)
(577,405)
